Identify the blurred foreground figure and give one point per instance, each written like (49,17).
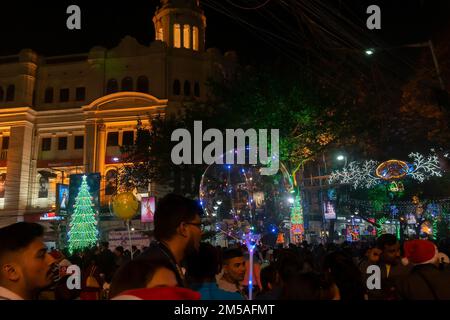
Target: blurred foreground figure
(233,272)
(202,269)
(425,281)
(25,266)
(178,231)
(148,280)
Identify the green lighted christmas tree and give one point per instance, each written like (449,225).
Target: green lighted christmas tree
(83,225)
(297,228)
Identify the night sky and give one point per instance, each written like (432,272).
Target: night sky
(41,25)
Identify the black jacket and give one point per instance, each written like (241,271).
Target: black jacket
(389,282)
(157,250)
(426,282)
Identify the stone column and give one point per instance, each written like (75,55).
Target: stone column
(101,148)
(18,172)
(89,147)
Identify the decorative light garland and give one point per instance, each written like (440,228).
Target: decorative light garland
(370,173)
(380,223)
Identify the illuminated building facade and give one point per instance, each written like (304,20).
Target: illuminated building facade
(70,114)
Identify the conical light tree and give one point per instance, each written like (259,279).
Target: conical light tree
(297,227)
(83,225)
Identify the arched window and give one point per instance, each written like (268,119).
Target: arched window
(112,86)
(177,36)
(1,93)
(127,84)
(10,92)
(111,182)
(187,36)
(195,38)
(176,87)
(48,95)
(197,89)
(142,84)
(187,88)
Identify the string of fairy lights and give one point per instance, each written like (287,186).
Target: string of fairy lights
(369,173)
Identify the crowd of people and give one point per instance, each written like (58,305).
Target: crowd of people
(178,266)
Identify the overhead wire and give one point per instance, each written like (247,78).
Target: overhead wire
(249,8)
(292,55)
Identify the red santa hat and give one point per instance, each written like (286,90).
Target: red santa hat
(420,251)
(159,293)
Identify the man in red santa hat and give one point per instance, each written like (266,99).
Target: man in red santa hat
(425,281)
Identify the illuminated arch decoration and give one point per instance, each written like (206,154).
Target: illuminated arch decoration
(392,170)
(369,173)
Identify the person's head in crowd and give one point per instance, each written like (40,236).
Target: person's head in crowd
(204,265)
(421,252)
(25,265)
(145,273)
(268,276)
(390,248)
(118,251)
(373,254)
(233,265)
(308,286)
(339,268)
(178,224)
(104,245)
(288,264)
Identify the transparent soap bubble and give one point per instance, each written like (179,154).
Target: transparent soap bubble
(238,199)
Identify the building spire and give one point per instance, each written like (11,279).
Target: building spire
(181,24)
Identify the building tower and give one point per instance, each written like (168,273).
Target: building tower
(181,24)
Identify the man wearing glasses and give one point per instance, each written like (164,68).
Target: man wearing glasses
(178,231)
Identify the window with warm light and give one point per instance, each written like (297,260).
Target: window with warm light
(176,36)
(195,38)
(187,36)
(160,34)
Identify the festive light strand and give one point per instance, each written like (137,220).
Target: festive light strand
(363,175)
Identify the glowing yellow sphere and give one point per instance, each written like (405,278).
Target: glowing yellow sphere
(125,205)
